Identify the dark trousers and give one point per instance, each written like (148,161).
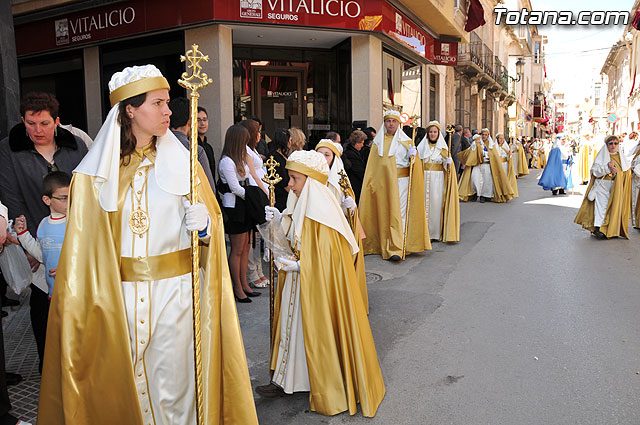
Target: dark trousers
(39,303)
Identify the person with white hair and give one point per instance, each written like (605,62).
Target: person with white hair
(606,206)
(322,340)
(385,192)
(120,346)
(440,186)
(484,177)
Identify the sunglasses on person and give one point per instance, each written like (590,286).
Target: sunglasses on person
(613,143)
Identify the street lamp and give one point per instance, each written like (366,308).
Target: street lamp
(519,69)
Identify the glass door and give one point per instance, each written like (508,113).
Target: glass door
(280,98)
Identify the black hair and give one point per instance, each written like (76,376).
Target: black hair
(256,119)
(332,135)
(201,109)
(55,180)
(280,141)
(179,112)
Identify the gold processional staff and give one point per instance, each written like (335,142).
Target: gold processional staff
(345,185)
(271,178)
(414,124)
(194,82)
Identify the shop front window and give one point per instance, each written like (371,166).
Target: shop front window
(402,86)
(288,88)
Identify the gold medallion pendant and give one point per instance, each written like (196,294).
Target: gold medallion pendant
(138,221)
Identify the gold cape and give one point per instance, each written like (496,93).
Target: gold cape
(450,221)
(584,162)
(88,372)
(380,208)
(502,190)
(523,166)
(511,176)
(542,160)
(616,219)
(358,258)
(341,355)
(637,211)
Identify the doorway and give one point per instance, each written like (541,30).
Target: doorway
(280,97)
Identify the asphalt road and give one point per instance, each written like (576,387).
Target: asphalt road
(528,320)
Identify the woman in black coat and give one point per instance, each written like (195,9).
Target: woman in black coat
(353,161)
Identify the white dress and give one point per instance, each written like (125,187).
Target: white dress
(481,178)
(433,189)
(505,152)
(159,312)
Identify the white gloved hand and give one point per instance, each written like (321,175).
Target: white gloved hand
(196,216)
(349,203)
(412,151)
(271,213)
(449,160)
(288,265)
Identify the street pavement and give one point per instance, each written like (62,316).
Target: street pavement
(528,320)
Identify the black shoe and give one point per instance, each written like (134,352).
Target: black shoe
(395,258)
(253,294)
(9,302)
(4,313)
(554,192)
(482,199)
(270,391)
(244,300)
(562,192)
(12,378)
(598,234)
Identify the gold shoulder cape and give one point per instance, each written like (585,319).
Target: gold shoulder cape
(380,208)
(616,219)
(341,355)
(523,166)
(88,373)
(450,222)
(502,190)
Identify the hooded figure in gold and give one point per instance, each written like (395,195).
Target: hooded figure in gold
(606,207)
(322,341)
(385,191)
(120,335)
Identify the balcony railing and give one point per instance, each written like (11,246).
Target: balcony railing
(482,56)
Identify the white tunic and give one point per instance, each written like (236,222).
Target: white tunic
(434,185)
(481,178)
(602,190)
(403,160)
(159,312)
(505,152)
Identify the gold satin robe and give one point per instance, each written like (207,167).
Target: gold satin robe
(341,355)
(502,190)
(616,219)
(88,375)
(380,207)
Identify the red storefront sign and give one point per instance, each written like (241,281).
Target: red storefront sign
(140,16)
(445,53)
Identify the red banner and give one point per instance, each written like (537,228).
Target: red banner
(140,16)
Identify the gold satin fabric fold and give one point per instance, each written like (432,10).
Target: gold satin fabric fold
(430,166)
(358,258)
(341,355)
(512,175)
(616,219)
(402,172)
(584,162)
(88,352)
(156,267)
(450,222)
(380,208)
(523,166)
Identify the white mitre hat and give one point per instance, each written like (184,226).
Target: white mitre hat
(103,160)
(400,136)
(392,114)
(316,200)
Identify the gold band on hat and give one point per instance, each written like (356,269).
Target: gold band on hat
(307,171)
(135,88)
(331,146)
(394,116)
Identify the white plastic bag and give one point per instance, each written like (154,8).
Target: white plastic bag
(15,267)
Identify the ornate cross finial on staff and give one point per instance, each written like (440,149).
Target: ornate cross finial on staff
(194,82)
(271,178)
(450,130)
(345,185)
